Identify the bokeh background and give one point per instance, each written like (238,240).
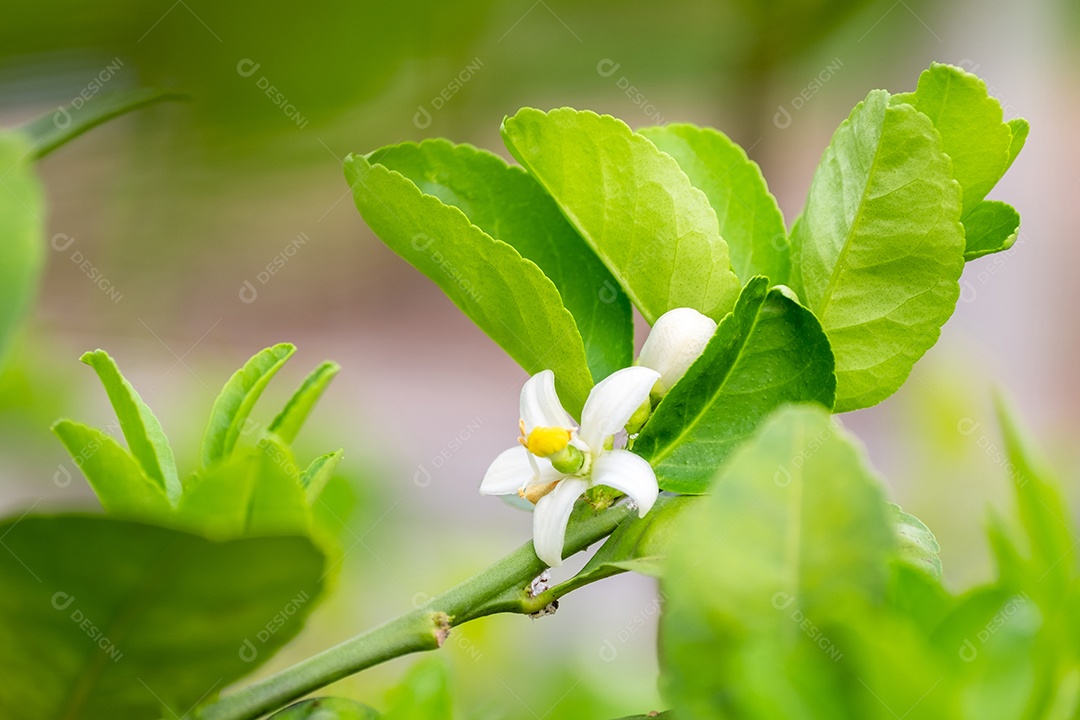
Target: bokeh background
(222,225)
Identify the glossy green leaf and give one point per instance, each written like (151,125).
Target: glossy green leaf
(327,708)
(793,541)
(318,473)
(990,227)
(22,245)
(237,398)
(68,121)
(507,296)
(255,491)
(655,231)
(288,422)
(879,248)
(118,480)
(1019,128)
(509,205)
(750,220)
(105,619)
(768,352)
(424,693)
(917,546)
(145,438)
(1044,517)
(970,122)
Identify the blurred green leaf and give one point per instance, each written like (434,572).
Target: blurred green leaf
(145,438)
(507,296)
(509,205)
(632,203)
(254,491)
(327,708)
(424,693)
(234,403)
(116,477)
(770,350)
(971,127)
(104,618)
(22,246)
(1019,128)
(879,248)
(990,227)
(793,542)
(318,473)
(70,121)
(917,548)
(750,220)
(288,422)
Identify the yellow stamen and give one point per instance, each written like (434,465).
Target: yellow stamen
(533,493)
(547,441)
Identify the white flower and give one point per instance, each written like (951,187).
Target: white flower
(677,339)
(557,461)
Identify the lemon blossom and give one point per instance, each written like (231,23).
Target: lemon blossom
(677,339)
(557,461)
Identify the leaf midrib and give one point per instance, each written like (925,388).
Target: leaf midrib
(838,268)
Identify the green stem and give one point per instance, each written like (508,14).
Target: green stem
(503,587)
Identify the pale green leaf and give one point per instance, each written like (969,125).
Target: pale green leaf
(750,220)
(1019,128)
(991,227)
(769,351)
(140,426)
(423,694)
(793,541)
(69,121)
(653,229)
(879,248)
(970,122)
(509,205)
(917,547)
(105,619)
(237,398)
(22,245)
(292,417)
(318,473)
(507,296)
(116,477)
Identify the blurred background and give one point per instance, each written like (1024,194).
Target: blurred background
(220,226)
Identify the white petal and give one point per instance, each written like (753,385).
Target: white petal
(540,406)
(676,340)
(628,473)
(550,517)
(513,470)
(612,402)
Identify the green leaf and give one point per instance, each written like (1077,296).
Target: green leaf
(750,220)
(292,417)
(971,127)
(1019,128)
(1044,516)
(990,227)
(424,693)
(879,249)
(105,619)
(116,477)
(327,708)
(655,231)
(141,428)
(234,403)
(507,296)
(768,352)
(255,491)
(509,205)
(22,247)
(68,122)
(793,541)
(321,469)
(917,547)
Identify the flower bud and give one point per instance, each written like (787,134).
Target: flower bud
(676,340)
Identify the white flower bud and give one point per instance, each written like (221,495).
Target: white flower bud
(676,340)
